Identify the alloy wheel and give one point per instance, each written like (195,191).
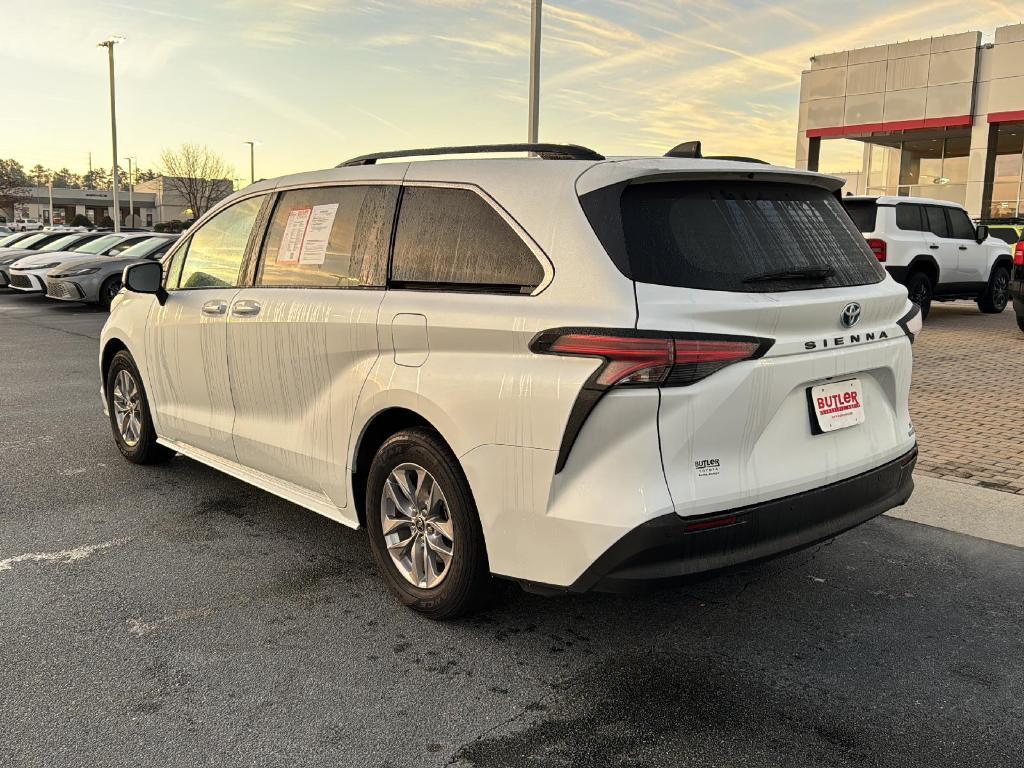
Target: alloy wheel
(1000,289)
(127,408)
(417,525)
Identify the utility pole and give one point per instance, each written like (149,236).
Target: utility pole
(131,192)
(252,160)
(49,183)
(109,44)
(535,26)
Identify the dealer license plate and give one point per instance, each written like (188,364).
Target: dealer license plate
(838,405)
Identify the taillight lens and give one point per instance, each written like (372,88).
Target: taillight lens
(877,247)
(651,360)
(1018,254)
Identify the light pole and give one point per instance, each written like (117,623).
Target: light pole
(109,44)
(532,130)
(252,160)
(49,184)
(131,192)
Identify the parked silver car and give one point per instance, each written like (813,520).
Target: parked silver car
(28,243)
(98,280)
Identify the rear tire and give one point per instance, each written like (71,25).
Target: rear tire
(130,419)
(429,515)
(919,289)
(109,290)
(997,292)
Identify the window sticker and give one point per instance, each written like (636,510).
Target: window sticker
(314,244)
(294,234)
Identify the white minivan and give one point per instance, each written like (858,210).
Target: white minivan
(571,372)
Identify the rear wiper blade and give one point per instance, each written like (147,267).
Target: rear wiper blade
(807,273)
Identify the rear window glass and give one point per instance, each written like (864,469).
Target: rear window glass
(863,213)
(910,218)
(739,236)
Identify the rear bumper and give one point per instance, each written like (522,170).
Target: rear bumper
(671,548)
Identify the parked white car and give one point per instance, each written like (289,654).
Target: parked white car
(26,225)
(935,250)
(574,373)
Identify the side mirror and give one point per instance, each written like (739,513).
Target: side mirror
(145,278)
(982,233)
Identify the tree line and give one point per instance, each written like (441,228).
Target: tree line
(194,171)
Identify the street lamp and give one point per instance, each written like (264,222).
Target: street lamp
(252,159)
(109,44)
(534,117)
(131,191)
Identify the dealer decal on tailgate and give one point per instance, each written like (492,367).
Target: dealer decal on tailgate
(838,405)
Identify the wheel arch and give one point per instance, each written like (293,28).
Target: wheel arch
(375,431)
(1002,260)
(110,348)
(925,263)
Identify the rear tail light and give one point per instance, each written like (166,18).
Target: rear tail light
(639,359)
(877,247)
(633,358)
(1018,254)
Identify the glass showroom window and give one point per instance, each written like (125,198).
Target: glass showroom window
(1008,184)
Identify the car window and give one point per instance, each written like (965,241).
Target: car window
(142,249)
(453,239)
(62,243)
(125,244)
(39,238)
(960,224)
(863,212)
(99,245)
(937,223)
(1006,234)
(213,256)
(739,236)
(329,237)
(911,218)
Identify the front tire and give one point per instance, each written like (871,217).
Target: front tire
(424,530)
(997,292)
(919,289)
(109,290)
(130,418)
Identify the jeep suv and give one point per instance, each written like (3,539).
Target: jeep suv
(934,249)
(571,372)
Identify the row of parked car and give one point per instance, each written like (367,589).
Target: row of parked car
(72,265)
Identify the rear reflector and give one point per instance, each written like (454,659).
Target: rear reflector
(878,247)
(635,358)
(706,525)
(1018,254)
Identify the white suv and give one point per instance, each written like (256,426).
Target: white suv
(934,249)
(572,372)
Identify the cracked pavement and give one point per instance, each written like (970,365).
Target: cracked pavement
(173,616)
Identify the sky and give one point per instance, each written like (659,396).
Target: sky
(319,81)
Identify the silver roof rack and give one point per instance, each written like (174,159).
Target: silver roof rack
(546,151)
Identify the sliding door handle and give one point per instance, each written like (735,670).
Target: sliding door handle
(246,308)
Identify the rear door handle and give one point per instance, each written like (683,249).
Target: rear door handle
(246,308)
(215,308)
(963,247)
(934,247)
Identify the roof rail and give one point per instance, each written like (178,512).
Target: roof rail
(546,151)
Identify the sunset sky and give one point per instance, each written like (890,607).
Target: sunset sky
(319,81)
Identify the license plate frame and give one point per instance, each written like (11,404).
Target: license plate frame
(836,415)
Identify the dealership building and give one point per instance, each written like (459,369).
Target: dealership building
(941,118)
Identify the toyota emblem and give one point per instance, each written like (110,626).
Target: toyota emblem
(851,314)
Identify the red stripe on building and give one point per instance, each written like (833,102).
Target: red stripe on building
(961,121)
(1006,117)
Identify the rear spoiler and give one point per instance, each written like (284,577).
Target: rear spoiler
(660,170)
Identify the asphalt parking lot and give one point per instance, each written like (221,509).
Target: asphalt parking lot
(174,616)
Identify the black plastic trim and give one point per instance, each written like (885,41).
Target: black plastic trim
(668,550)
(904,322)
(591,392)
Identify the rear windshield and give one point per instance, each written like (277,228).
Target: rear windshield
(739,236)
(863,213)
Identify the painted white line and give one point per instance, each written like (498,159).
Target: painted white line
(64,556)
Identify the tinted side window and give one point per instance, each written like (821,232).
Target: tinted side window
(910,218)
(937,221)
(452,238)
(863,212)
(214,253)
(960,224)
(1005,234)
(329,237)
